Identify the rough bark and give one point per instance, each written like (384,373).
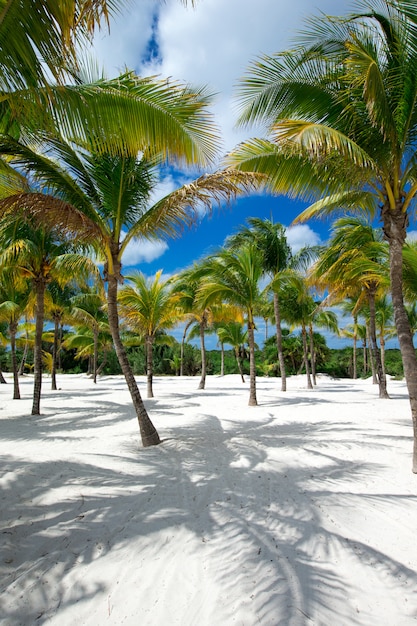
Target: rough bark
(280,350)
(95,354)
(252,368)
(148,431)
(355,341)
(394,225)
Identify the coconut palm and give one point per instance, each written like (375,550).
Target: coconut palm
(39,255)
(271,240)
(149,306)
(356,255)
(88,311)
(341,111)
(232,333)
(14,296)
(104,199)
(233,276)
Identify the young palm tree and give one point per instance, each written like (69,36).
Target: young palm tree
(149,306)
(233,276)
(88,310)
(14,296)
(271,240)
(232,333)
(356,255)
(343,119)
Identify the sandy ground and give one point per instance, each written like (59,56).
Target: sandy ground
(301,511)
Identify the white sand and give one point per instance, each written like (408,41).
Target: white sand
(302,510)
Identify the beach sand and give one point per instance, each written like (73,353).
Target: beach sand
(301,511)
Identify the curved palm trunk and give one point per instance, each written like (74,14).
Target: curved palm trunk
(371,359)
(305,353)
(149,366)
(40,285)
(376,354)
(202,384)
(16,390)
(148,431)
(395,231)
(281,360)
(54,355)
(252,368)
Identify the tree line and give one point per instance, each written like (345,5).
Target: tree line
(81,156)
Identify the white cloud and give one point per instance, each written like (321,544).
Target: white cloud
(143,251)
(209,45)
(301,235)
(412,235)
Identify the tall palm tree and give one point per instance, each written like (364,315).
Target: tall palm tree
(356,255)
(149,306)
(342,113)
(271,240)
(233,276)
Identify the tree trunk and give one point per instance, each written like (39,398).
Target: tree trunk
(280,350)
(102,364)
(394,225)
(40,285)
(239,363)
(382,380)
(312,354)
(187,326)
(222,360)
(148,431)
(355,340)
(305,352)
(149,365)
(252,368)
(16,390)
(54,355)
(202,384)
(3,381)
(95,354)
(371,356)
(25,352)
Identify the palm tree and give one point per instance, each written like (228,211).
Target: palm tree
(232,333)
(88,310)
(14,295)
(271,240)
(38,254)
(356,255)
(233,276)
(104,199)
(342,115)
(149,306)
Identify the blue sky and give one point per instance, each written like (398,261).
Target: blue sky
(210,45)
